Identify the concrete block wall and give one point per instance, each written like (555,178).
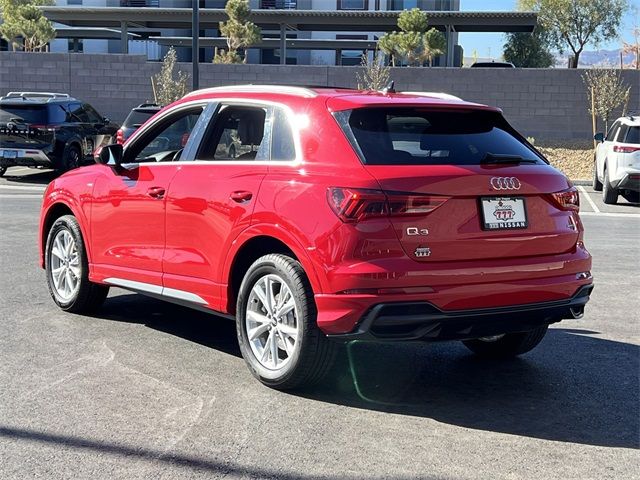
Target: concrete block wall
(548,104)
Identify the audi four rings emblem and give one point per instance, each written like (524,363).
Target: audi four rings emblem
(504,183)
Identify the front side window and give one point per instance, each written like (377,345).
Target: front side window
(424,136)
(612,132)
(166,139)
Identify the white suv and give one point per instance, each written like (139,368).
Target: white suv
(617,161)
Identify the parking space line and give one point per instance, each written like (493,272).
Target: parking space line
(591,202)
(22,187)
(18,195)
(21,169)
(608,214)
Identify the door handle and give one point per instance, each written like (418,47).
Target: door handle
(241,196)
(156,192)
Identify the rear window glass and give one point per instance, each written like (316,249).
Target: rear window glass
(633,135)
(420,136)
(24,113)
(138,117)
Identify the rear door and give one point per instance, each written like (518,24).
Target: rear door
(211,200)
(461,184)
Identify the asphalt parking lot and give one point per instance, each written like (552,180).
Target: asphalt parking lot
(145,389)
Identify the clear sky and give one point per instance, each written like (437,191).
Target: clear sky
(490,44)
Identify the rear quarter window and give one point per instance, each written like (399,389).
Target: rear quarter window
(633,135)
(423,136)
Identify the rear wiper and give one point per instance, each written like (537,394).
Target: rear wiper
(506,158)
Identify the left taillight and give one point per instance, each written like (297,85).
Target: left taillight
(567,199)
(353,205)
(625,148)
(120,137)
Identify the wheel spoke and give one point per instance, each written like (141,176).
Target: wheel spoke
(75,271)
(267,349)
(269,294)
(288,330)
(262,296)
(288,347)
(68,282)
(286,308)
(274,348)
(257,331)
(257,317)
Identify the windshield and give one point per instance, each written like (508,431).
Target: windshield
(422,136)
(137,117)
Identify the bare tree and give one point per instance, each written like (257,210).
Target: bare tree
(375,75)
(167,87)
(607,92)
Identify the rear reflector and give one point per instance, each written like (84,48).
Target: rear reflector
(567,199)
(625,149)
(120,137)
(353,205)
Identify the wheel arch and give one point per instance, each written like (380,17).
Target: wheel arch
(254,245)
(55,210)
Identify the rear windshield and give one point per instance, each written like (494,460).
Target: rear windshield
(633,135)
(24,114)
(421,136)
(138,117)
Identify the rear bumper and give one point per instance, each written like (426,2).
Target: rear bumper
(14,157)
(405,321)
(630,181)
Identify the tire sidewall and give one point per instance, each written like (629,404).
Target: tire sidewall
(259,269)
(67,163)
(70,224)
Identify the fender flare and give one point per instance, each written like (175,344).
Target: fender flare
(278,233)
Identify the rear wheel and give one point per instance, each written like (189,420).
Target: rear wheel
(3,170)
(508,345)
(597,184)
(70,158)
(67,269)
(609,194)
(276,325)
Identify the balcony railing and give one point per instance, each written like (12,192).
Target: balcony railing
(140,3)
(279,4)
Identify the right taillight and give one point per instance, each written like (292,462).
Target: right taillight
(353,205)
(567,199)
(625,148)
(120,137)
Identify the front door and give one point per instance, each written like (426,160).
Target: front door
(128,213)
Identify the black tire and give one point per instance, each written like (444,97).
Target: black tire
(89,296)
(314,353)
(70,158)
(596,184)
(609,194)
(3,170)
(510,345)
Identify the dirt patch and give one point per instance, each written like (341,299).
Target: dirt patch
(574,159)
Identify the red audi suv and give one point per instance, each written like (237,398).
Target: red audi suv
(343,215)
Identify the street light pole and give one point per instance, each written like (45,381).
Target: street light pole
(195,48)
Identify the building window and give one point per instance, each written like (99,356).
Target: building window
(279,4)
(350,57)
(74,2)
(75,45)
(353,5)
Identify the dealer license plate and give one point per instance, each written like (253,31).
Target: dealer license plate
(504,213)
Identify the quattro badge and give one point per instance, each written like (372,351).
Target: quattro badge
(422,252)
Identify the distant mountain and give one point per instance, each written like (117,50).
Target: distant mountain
(597,58)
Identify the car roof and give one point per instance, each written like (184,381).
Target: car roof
(336,98)
(632,120)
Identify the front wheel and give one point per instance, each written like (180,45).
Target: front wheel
(67,269)
(507,345)
(276,325)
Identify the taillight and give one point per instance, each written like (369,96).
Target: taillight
(567,199)
(120,137)
(353,205)
(625,149)
(48,128)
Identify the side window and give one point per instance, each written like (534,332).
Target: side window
(282,144)
(92,115)
(622,132)
(633,135)
(611,133)
(237,133)
(166,139)
(75,113)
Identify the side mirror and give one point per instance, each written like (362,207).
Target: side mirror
(109,155)
(599,137)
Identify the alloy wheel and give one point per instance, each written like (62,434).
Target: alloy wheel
(64,265)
